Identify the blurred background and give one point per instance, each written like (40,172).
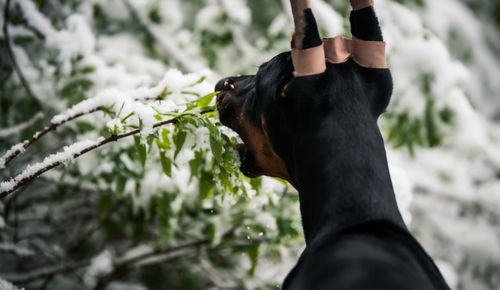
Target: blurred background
(137,215)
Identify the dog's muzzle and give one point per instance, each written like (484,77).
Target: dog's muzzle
(230,104)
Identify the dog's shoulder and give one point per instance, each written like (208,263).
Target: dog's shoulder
(372,256)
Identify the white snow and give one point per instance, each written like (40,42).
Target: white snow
(6,285)
(100,266)
(35,18)
(18,148)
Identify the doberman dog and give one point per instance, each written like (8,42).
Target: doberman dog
(309,116)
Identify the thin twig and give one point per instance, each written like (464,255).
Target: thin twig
(45,272)
(21,147)
(28,179)
(125,265)
(53,126)
(13,59)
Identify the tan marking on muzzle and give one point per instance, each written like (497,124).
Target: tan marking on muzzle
(267,160)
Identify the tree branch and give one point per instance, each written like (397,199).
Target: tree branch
(21,147)
(126,264)
(120,266)
(45,272)
(12,57)
(56,121)
(28,175)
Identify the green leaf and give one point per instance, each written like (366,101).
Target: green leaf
(253,253)
(447,115)
(204,101)
(286,227)
(121,181)
(206,185)
(164,143)
(141,150)
(197,82)
(88,69)
(210,231)
(150,139)
(215,142)
(196,163)
(154,13)
(108,111)
(231,159)
(166,164)
(126,117)
(256,183)
(75,90)
(179,139)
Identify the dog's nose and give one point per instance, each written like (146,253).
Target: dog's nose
(224,85)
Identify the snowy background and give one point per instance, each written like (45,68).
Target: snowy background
(166,208)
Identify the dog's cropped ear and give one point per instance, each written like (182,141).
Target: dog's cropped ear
(308,55)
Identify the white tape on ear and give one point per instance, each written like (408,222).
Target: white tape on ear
(369,54)
(309,61)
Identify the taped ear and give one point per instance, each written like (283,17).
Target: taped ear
(307,47)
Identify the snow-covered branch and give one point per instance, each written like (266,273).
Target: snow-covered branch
(69,153)
(103,100)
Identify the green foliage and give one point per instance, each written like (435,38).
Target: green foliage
(154,13)
(75,90)
(405,129)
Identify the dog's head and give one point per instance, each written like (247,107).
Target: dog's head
(245,104)
(278,115)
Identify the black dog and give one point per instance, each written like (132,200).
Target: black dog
(310,117)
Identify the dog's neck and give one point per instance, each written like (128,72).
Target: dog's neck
(344,183)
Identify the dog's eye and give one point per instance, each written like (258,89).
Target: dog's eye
(228,85)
